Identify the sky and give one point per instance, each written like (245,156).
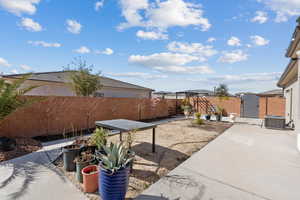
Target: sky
(168,45)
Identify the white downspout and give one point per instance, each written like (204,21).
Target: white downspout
(297,120)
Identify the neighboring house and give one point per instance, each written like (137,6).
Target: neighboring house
(272,93)
(290,82)
(58,84)
(182,94)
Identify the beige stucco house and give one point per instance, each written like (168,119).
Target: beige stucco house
(57,84)
(290,82)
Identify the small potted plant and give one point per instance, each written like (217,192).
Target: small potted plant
(98,139)
(186,107)
(208,116)
(218,113)
(114,171)
(90,178)
(83,160)
(70,152)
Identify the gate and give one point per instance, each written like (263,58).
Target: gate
(250,106)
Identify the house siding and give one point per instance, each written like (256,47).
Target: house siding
(291,105)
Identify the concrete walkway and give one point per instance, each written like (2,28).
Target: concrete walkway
(33,177)
(245,163)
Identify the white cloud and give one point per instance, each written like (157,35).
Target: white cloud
(185,69)
(73,26)
(284,9)
(234,41)
(162,14)
(233,56)
(98,5)
(259,41)
(131,11)
(4,62)
(14,71)
(260,17)
(107,51)
(19,7)
(151,35)
(251,77)
(44,44)
(30,25)
(196,49)
(139,75)
(25,67)
(162,59)
(82,50)
(211,39)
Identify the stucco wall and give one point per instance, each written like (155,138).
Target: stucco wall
(56,115)
(291,106)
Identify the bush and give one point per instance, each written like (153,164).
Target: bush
(198,115)
(199,121)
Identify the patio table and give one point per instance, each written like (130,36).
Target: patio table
(124,125)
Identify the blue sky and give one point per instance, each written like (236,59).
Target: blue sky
(162,44)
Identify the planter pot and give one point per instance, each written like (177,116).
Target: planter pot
(113,186)
(79,167)
(218,118)
(7,144)
(186,113)
(207,117)
(90,178)
(91,149)
(69,154)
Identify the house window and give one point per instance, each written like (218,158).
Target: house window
(98,94)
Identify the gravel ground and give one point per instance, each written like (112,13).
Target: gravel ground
(24,146)
(175,142)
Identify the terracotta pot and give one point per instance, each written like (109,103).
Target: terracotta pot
(90,178)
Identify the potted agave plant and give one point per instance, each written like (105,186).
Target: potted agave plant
(114,171)
(219,113)
(83,160)
(186,107)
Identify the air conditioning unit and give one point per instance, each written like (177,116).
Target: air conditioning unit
(274,122)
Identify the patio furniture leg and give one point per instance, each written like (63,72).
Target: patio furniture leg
(121,138)
(153,140)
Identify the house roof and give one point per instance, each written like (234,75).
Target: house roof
(200,91)
(275,92)
(284,79)
(295,41)
(64,77)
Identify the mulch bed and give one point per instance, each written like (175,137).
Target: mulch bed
(24,146)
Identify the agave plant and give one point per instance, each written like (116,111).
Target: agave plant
(115,157)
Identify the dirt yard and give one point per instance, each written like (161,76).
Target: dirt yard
(175,142)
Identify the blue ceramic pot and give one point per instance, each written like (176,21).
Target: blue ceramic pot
(113,186)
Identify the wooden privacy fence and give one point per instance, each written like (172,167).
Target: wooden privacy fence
(271,106)
(206,105)
(57,115)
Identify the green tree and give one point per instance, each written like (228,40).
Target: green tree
(83,81)
(11,96)
(222,91)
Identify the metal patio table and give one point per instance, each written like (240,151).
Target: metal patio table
(124,125)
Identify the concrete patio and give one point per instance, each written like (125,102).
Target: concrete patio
(247,162)
(33,177)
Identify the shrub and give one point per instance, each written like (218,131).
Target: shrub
(98,138)
(198,115)
(199,121)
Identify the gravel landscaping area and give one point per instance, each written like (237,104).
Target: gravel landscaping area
(175,142)
(23,146)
